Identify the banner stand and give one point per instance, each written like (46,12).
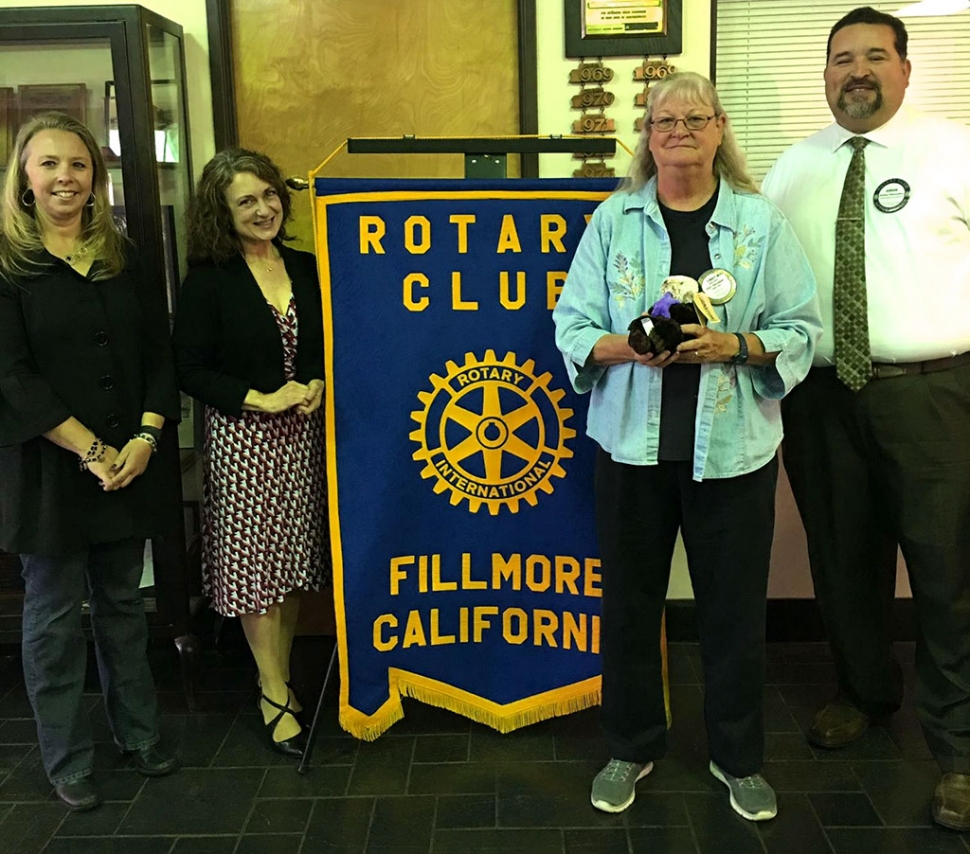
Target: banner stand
(304,765)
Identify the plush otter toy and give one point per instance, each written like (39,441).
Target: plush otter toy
(660,329)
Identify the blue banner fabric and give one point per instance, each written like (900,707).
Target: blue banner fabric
(466,572)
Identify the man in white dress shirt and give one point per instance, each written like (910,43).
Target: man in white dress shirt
(888,463)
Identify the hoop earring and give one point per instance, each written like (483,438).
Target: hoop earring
(23,198)
(90,202)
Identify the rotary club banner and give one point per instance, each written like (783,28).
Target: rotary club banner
(466,573)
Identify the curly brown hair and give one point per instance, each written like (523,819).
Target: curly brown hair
(20,233)
(211,234)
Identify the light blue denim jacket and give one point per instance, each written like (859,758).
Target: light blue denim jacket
(616,275)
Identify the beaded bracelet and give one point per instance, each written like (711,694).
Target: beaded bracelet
(95,454)
(147,437)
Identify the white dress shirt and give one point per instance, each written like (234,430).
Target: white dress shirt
(917,257)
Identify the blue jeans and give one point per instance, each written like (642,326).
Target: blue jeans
(55,652)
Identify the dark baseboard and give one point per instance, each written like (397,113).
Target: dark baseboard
(788,620)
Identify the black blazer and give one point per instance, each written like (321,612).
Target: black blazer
(100,351)
(226,338)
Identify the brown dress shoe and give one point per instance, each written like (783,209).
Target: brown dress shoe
(837,725)
(951,803)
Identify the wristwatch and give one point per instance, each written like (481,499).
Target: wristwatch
(741,356)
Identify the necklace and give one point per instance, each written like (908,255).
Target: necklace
(265,265)
(75,256)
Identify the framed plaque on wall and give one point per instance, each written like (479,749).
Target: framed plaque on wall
(623,27)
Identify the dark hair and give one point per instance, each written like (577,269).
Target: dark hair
(868,15)
(211,233)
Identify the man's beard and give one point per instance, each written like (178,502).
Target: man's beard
(860,109)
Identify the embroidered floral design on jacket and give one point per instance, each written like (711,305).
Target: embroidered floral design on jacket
(746,247)
(630,282)
(725,390)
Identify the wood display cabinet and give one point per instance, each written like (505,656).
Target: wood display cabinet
(121,71)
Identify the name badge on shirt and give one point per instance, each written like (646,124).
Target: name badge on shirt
(891,195)
(719,285)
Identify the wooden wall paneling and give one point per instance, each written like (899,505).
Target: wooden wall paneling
(311,73)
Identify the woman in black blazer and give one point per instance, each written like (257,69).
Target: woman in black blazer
(86,385)
(249,345)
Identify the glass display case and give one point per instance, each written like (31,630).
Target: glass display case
(121,71)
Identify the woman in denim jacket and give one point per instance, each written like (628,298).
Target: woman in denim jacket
(688,436)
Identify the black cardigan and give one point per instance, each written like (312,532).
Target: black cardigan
(226,338)
(100,351)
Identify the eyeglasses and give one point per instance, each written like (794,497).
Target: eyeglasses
(667,124)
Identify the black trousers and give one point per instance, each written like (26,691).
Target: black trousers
(869,470)
(727,526)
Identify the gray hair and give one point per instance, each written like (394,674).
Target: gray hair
(694,88)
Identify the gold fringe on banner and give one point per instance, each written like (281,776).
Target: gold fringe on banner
(562,701)
(370,727)
(504,718)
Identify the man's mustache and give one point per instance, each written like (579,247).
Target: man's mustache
(864,82)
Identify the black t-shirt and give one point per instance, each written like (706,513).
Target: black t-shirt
(690,256)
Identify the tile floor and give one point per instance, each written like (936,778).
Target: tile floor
(439,784)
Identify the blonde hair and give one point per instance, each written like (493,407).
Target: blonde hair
(694,88)
(20,234)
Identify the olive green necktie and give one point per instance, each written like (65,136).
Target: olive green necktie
(852,360)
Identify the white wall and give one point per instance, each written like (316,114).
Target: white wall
(192,17)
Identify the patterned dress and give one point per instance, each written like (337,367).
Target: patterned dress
(264,492)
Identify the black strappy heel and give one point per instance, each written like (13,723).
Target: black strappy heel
(288,746)
(289,687)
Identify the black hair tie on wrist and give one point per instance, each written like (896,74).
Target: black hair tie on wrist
(154,432)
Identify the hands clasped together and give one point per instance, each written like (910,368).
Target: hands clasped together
(305,398)
(117,469)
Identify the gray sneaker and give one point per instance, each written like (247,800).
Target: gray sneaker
(751,797)
(615,787)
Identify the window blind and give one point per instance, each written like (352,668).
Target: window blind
(770,55)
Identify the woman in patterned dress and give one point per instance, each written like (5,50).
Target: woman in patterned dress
(249,345)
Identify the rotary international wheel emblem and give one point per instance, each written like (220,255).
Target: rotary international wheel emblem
(492,432)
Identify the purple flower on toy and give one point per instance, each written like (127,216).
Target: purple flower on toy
(661,308)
